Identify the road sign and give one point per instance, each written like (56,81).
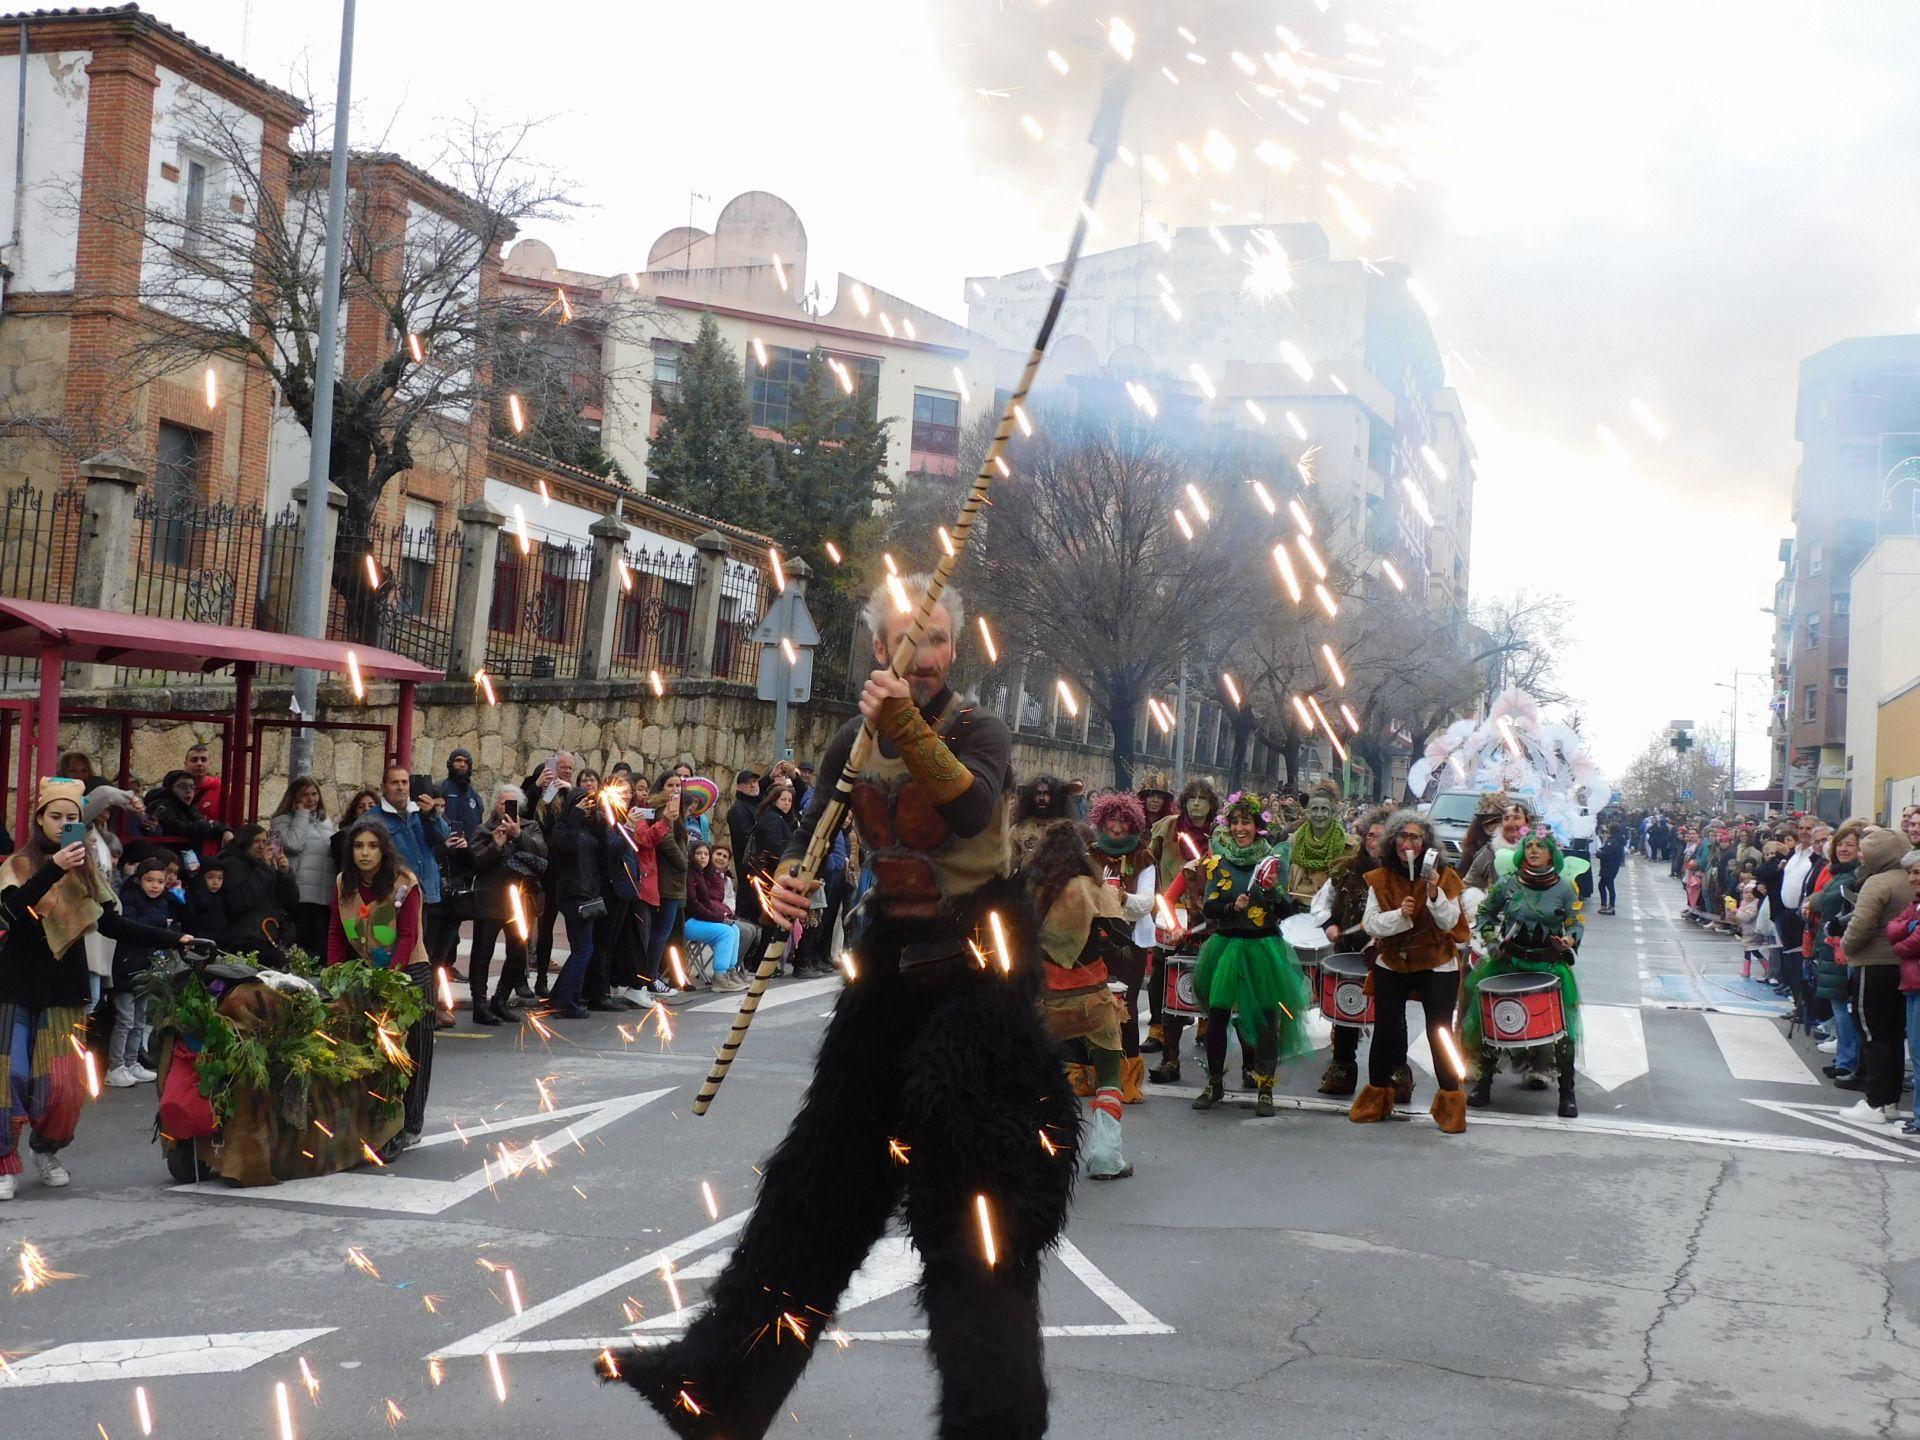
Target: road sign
(787,618)
(777,675)
(1686,794)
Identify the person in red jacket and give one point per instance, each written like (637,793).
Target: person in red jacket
(1903,933)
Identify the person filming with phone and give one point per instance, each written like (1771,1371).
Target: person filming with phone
(52,895)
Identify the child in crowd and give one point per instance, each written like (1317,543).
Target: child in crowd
(710,919)
(205,914)
(1755,929)
(143,898)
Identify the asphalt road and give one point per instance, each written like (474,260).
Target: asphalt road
(1708,1251)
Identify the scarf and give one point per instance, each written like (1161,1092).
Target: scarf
(75,903)
(1319,852)
(1118,849)
(1544,877)
(1242,855)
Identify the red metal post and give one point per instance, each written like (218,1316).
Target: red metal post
(403,740)
(240,796)
(46,724)
(125,772)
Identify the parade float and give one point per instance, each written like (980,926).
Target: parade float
(1542,763)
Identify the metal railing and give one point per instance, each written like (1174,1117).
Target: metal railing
(39,542)
(653,629)
(539,613)
(742,602)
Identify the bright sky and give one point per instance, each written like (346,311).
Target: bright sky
(1667,200)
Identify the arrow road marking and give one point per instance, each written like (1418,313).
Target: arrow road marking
(89,1360)
(411,1195)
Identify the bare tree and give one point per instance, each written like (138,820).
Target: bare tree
(427,327)
(1661,776)
(1522,632)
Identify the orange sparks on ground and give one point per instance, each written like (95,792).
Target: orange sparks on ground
(436,1372)
(513,1292)
(394,1414)
(673,1285)
(283,1407)
(840,1337)
(986,1230)
(142,1409)
(357,1258)
(663,1024)
(499,1380)
(799,1331)
(35,1273)
(607,1364)
(546,1095)
(309,1379)
(779,571)
(899,1150)
(432,1302)
(706,1194)
(353,676)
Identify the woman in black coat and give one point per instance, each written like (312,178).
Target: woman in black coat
(259,896)
(773,830)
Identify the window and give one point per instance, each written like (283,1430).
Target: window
(418,541)
(1810,704)
(178,454)
(771,387)
(1816,559)
(555,563)
(666,371)
(936,422)
(505,614)
(1813,629)
(1841,606)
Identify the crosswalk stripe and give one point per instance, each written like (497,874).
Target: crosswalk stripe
(1613,1044)
(1754,1049)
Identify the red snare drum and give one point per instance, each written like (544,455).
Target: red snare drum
(1522,1009)
(1343,990)
(1181,999)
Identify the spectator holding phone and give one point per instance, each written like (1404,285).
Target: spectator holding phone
(170,809)
(51,896)
(670,854)
(509,858)
(302,833)
(547,788)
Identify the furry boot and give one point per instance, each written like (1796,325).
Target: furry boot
(1263,1106)
(1374,1103)
(1081,1078)
(1133,1079)
(1101,1148)
(1213,1094)
(1449,1111)
(1339,1078)
(1481,1095)
(1156,1039)
(1167,1072)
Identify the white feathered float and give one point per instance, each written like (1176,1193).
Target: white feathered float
(1542,762)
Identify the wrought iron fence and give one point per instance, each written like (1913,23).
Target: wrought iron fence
(654,627)
(742,603)
(837,668)
(39,542)
(197,561)
(539,614)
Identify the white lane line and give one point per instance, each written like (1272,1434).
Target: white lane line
(86,1361)
(774,998)
(1754,1049)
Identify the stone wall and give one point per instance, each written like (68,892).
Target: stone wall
(717,728)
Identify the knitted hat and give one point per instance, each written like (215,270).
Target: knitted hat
(58,787)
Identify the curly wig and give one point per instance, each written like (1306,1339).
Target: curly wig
(1060,855)
(1118,805)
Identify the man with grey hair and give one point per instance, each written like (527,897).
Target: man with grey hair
(935,1052)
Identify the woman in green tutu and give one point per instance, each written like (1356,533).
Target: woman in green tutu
(1530,923)
(1246,973)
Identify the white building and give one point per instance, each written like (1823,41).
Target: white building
(932,377)
(1334,359)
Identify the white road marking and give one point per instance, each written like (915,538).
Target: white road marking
(412,1195)
(774,998)
(86,1361)
(891,1267)
(1613,1044)
(1754,1049)
(1827,1117)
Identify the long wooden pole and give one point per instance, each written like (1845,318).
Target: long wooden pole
(1105,139)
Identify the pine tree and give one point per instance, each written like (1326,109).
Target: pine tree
(831,467)
(704,456)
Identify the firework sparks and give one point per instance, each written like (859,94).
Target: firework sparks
(985,1217)
(1505,724)
(687,1403)
(445,982)
(607,1364)
(1000,946)
(1300,516)
(759,353)
(517,413)
(1046,1144)
(1265,496)
(519,909)
(986,638)
(1284,563)
(35,1273)
(1120,35)
(283,1407)
(791,655)
(1233,690)
(513,1292)
(833,553)
(499,1379)
(1199,504)
(658,685)
(1294,424)
(1253,409)
(373,573)
(1393,575)
(1294,360)
(1321,715)
(899,1150)
(1416,499)
(485,682)
(779,571)
(1186,843)
(416,349)
(142,1410)
(309,1379)
(520,532)
(626,574)
(353,676)
(706,1194)
(436,1372)
(1649,422)
(1353,721)
(1428,454)
(946,541)
(1185,526)
(1444,1034)
(1325,597)
(679,967)
(1065,692)
(357,1258)
(1202,380)
(1312,557)
(846,964)
(394,1413)
(672,1284)
(213,389)
(87,1065)
(1333,666)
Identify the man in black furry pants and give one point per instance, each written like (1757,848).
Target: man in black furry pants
(935,1085)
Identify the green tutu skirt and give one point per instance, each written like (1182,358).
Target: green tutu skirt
(1473,1028)
(1252,975)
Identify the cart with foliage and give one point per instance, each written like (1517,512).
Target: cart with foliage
(270,1075)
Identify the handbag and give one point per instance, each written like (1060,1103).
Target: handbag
(593,909)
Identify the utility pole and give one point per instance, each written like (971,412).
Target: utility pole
(1180,734)
(314,559)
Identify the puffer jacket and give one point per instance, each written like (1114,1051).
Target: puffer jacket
(1830,972)
(576,850)
(307,839)
(1882,892)
(521,861)
(1903,933)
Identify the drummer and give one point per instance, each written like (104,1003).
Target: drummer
(1530,923)
(1338,907)
(1182,838)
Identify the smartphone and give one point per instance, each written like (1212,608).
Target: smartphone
(72,834)
(510,808)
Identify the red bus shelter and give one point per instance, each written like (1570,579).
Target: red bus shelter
(58,635)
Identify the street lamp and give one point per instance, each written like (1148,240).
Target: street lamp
(1733,731)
